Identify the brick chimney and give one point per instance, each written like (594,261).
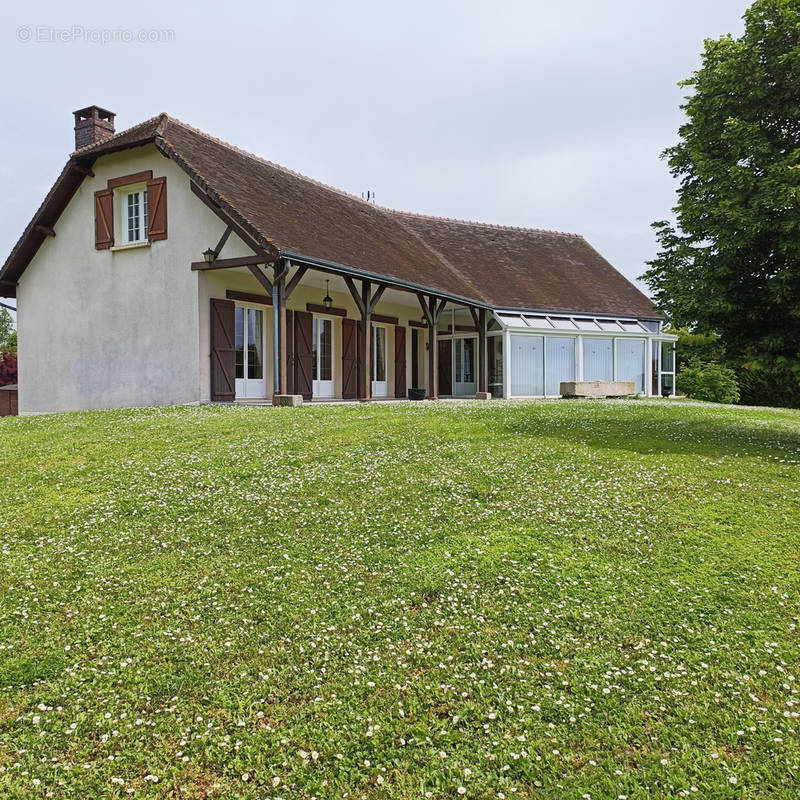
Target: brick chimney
(93,124)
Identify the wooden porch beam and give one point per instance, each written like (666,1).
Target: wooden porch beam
(376,297)
(261,277)
(351,286)
(296,278)
(229,263)
(425,310)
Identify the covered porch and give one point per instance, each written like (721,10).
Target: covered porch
(299,327)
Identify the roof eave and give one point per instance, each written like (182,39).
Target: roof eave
(378,277)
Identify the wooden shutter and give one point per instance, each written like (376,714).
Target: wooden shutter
(399,361)
(156,209)
(223,351)
(103,219)
(303,353)
(290,359)
(349,359)
(445,366)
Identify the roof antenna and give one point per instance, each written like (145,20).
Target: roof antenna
(370,196)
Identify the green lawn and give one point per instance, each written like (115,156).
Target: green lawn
(533,600)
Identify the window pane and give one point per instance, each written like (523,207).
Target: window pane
(469,360)
(609,325)
(495,364)
(379,354)
(459,348)
(667,357)
(239,342)
(255,344)
(133,217)
(144,215)
(314,349)
(560,366)
(527,365)
(598,359)
(414,358)
(326,350)
(630,362)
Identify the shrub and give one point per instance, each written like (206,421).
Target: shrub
(775,385)
(8,368)
(711,382)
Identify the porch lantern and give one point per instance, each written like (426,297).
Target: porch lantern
(209,256)
(327,301)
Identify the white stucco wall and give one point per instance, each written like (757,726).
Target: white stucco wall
(103,329)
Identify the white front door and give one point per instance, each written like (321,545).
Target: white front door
(250,380)
(464,366)
(322,358)
(378,360)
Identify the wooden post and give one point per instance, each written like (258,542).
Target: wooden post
(479,318)
(433,355)
(432,311)
(365,389)
(279,289)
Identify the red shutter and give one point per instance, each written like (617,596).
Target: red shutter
(303,353)
(157,209)
(349,359)
(103,219)
(223,351)
(399,361)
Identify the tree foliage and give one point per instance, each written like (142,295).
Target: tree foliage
(8,336)
(731,265)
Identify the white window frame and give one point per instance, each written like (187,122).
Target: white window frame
(124,194)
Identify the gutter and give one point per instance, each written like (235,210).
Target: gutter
(379,278)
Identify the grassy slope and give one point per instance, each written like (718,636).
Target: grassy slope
(524,600)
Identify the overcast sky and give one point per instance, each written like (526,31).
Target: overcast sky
(539,114)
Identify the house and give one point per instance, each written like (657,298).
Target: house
(166,266)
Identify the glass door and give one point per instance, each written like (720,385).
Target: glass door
(379,385)
(322,358)
(464,366)
(249,331)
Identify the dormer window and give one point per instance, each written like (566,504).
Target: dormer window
(134,216)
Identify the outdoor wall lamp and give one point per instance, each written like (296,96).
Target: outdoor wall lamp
(209,256)
(327,301)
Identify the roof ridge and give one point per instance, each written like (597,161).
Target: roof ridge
(262,160)
(492,225)
(165,117)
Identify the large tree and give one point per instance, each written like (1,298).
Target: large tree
(731,265)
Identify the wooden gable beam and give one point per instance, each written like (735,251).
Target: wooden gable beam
(243,234)
(44,229)
(221,242)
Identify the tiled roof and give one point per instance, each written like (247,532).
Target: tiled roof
(494,265)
